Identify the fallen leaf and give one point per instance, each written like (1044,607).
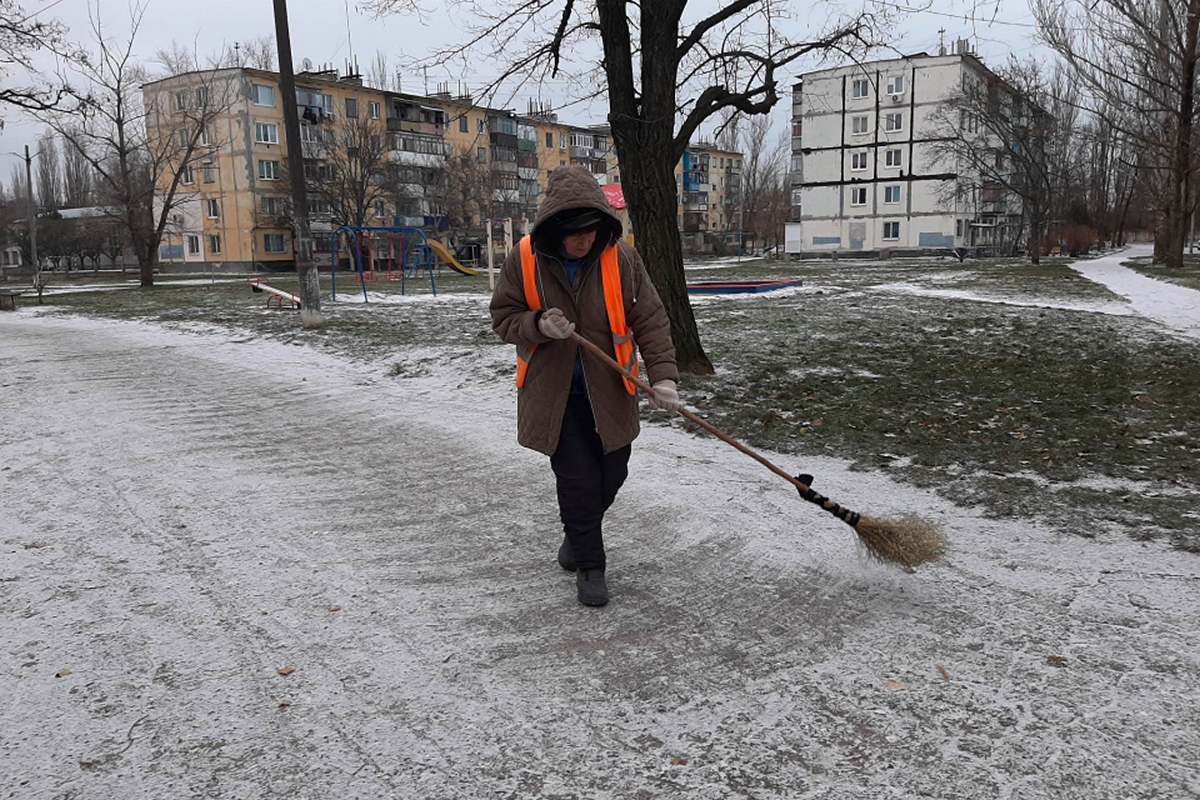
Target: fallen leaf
(62,673)
(286,670)
(335,608)
(976,647)
(35,545)
(942,671)
(679,762)
(895,686)
(285,704)
(1056,661)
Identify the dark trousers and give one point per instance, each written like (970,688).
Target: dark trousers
(588,481)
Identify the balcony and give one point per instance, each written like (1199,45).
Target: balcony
(499,139)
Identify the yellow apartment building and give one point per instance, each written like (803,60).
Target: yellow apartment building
(232,200)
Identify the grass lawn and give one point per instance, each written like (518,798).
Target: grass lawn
(1188,276)
(998,384)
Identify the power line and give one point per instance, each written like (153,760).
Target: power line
(39,11)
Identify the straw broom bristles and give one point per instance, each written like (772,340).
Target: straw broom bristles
(909,541)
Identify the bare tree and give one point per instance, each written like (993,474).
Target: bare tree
(77,178)
(1136,63)
(140,150)
(21,36)
(379,74)
(49,174)
(764,169)
(346,167)
(997,131)
(467,189)
(667,67)
(259,53)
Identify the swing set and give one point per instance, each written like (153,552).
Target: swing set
(403,251)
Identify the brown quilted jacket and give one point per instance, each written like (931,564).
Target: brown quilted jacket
(543,399)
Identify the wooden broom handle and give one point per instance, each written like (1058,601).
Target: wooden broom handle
(688,415)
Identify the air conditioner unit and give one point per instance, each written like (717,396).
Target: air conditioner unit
(897,98)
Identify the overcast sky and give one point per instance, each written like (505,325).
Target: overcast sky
(319,33)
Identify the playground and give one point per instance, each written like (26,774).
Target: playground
(261,576)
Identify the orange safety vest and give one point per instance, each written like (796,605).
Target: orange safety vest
(610,273)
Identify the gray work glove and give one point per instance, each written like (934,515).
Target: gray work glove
(554,325)
(666,396)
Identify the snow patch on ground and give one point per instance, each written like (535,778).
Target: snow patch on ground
(1112,308)
(1176,307)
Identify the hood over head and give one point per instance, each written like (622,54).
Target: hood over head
(573,189)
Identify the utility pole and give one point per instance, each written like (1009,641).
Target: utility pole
(33,253)
(302,246)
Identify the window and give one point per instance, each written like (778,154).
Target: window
(273,243)
(891,194)
(214,244)
(272,206)
(562,141)
(268,170)
(797,196)
(479,123)
(266,133)
(373,109)
(193,245)
(205,137)
(209,172)
(188,176)
(183,138)
(263,95)
(380,209)
(958,228)
(862,88)
(352,108)
(893,122)
(859,125)
(858,196)
(549,139)
(212,208)
(891,231)
(202,97)
(895,84)
(858,161)
(894,158)
(481,154)
(181,101)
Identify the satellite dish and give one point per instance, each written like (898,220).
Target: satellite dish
(306,64)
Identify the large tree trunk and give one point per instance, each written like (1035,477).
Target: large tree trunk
(1178,223)
(649,185)
(644,134)
(146,266)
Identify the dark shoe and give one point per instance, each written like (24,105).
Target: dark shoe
(590,587)
(566,559)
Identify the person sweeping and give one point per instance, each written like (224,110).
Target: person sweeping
(574,274)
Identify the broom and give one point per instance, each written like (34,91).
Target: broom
(909,542)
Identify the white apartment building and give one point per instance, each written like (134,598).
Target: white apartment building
(865,176)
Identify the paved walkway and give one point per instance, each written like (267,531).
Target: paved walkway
(181,514)
(1176,307)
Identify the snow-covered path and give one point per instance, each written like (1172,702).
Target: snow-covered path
(1176,307)
(181,512)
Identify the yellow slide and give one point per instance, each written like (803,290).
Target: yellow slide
(443,252)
